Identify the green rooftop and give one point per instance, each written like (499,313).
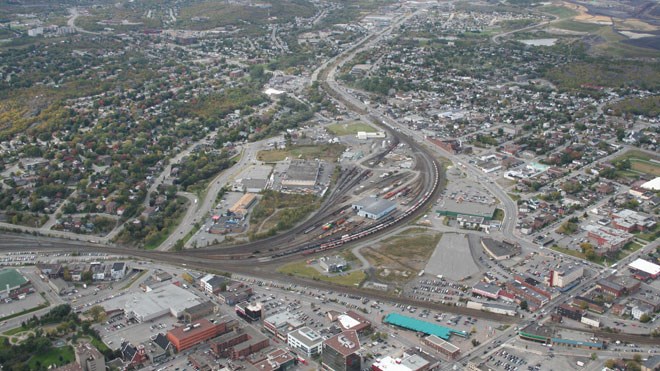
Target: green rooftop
(422,326)
(12,278)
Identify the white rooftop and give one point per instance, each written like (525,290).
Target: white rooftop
(169,297)
(347,321)
(645,266)
(653,185)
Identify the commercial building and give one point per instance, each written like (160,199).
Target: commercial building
(446,348)
(500,250)
(250,312)
(355,322)
(652,269)
(244,203)
(590,320)
(10,281)
(653,362)
(159,301)
(640,310)
(185,337)
(240,342)
(305,340)
(424,327)
(607,239)
(89,358)
(340,352)
(60,286)
(281,324)
(213,284)
(454,208)
(410,361)
(373,207)
(565,275)
(199,311)
(571,312)
(486,290)
(618,286)
(234,292)
(632,221)
(277,360)
(302,173)
(545,335)
(118,271)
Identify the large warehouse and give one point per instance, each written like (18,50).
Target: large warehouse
(302,173)
(451,208)
(373,208)
(163,300)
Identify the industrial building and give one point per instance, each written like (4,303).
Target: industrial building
(373,208)
(340,352)
(306,341)
(301,173)
(160,301)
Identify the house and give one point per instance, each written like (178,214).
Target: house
(131,355)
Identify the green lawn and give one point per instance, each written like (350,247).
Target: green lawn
(650,235)
(14,331)
(57,356)
(301,269)
(352,128)
(499,214)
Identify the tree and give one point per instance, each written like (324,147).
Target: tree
(645,318)
(98,313)
(593,356)
(475,342)
(524,305)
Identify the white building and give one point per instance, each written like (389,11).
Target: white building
(118,270)
(306,340)
(589,321)
(564,276)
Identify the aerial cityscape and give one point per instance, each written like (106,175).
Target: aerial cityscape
(337,185)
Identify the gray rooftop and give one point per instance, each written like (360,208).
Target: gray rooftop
(307,336)
(303,170)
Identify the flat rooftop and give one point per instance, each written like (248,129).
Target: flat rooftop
(11,278)
(428,328)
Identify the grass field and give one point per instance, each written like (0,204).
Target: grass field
(641,162)
(351,128)
(499,215)
(302,269)
(577,26)
(559,11)
(55,356)
(327,152)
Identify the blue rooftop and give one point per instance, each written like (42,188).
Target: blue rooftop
(422,326)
